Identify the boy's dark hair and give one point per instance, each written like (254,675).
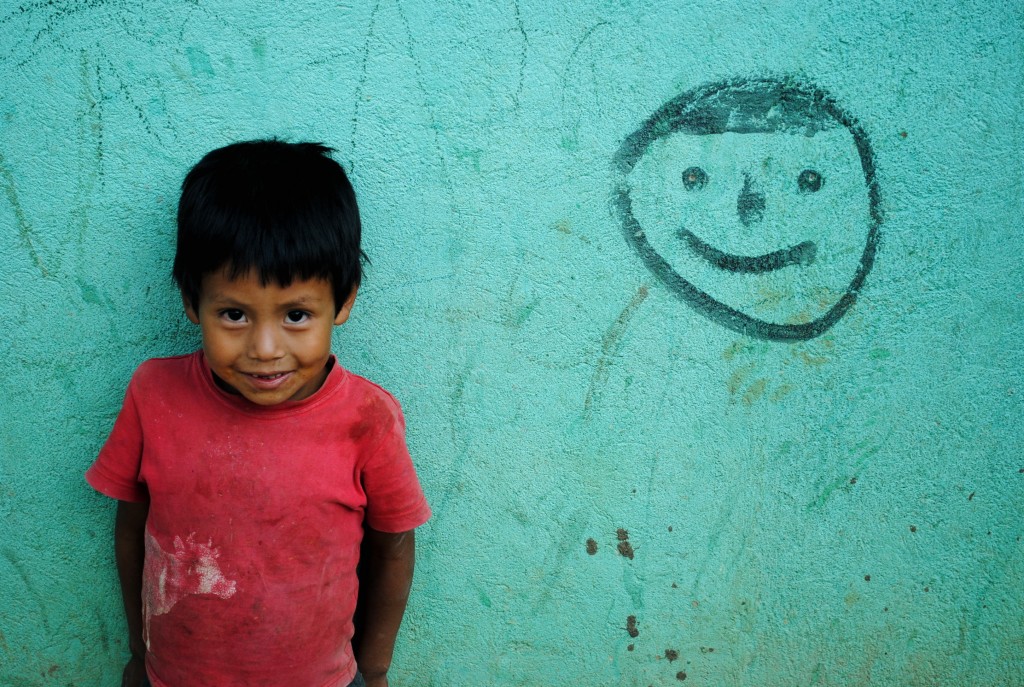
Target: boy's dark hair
(283,210)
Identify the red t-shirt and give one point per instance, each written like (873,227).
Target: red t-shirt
(255,520)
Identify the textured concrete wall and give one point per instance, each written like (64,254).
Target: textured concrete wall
(650,456)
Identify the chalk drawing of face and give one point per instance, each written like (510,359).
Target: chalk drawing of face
(755,201)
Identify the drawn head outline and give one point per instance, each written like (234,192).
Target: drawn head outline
(766,106)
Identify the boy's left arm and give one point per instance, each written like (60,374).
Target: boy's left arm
(385,577)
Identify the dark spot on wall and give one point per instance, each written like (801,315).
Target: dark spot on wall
(624,547)
(681,675)
(675,586)
(867,578)
(670,528)
(630,647)
(903,134)
(971,497)
(927,589)
(913,528)
(591,547)
(885,610)
(52,670)
(707,649)
(671,654)
(631,627)
(853,480)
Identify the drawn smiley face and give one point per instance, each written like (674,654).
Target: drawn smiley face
(755,201)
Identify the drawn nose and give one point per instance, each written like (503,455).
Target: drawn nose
(750,204)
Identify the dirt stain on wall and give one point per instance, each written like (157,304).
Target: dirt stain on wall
(624,547)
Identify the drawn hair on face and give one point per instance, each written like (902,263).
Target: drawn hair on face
(746,105)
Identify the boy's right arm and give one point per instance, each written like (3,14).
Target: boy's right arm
(130,552)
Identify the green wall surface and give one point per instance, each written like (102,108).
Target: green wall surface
(651,458)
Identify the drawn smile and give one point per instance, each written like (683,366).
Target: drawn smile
(801,254)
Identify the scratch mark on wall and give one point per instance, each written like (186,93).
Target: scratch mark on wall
(610,344)
(459,441)
(122,86)
(90,130)
(30,590)
(25,230)
(515,311)
(360,84)
(571,138)
(53,17)
(845,481)
(410,43)
(522,61)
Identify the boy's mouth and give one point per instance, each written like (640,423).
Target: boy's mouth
(270,376)
(268,381)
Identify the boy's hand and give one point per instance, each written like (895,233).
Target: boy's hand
(134,674)
(376,680)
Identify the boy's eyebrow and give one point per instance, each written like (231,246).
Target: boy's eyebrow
(301,301)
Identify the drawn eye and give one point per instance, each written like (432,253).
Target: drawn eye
(809,181)
(694,178)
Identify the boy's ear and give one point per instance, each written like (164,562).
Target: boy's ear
(190,312)
(346,308)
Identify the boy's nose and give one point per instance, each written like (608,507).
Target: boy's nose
(265,343)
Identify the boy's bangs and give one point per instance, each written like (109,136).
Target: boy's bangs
(282,255)
(282,211)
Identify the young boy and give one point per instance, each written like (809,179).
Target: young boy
(250,474)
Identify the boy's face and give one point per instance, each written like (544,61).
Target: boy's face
(268,343)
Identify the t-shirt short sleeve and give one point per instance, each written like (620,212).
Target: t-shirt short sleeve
(394,498)
(116,471)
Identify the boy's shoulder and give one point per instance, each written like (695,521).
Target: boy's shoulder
(159,369)
(373,401)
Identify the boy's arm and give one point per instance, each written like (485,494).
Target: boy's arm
(385,577)
(129,552)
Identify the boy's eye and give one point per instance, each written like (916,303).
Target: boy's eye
(233,315)
(297,316)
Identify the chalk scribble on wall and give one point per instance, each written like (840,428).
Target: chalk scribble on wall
(755,201)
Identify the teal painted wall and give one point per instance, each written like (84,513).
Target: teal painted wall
(625,489)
